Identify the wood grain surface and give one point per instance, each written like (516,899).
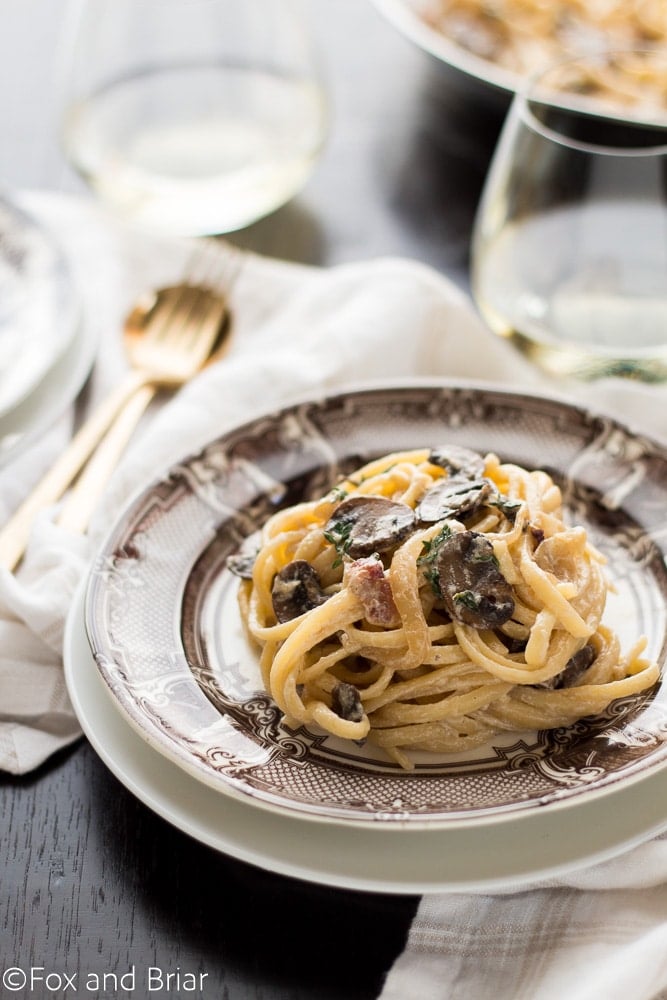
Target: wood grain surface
(94,882)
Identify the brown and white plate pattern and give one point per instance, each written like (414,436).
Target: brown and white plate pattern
(164,629)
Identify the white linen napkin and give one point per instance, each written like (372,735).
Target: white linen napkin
(296,330)
(300,330)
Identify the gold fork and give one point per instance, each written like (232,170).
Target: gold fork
(82,499)
(167,342)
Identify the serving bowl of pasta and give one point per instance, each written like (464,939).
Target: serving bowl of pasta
(494,46)
(415,606)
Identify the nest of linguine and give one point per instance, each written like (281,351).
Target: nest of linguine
(435,598)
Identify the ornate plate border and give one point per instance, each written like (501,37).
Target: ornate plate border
(161,628)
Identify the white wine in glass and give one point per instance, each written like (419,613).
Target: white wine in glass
(194,116)
(569,257)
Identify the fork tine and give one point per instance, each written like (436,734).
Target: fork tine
(196,302)
(173,302)
(208,327)
(178,294)
(165,309)
(207,313)
(220,262)
(193,306)
(183,314)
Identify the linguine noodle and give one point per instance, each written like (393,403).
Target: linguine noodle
(379,619)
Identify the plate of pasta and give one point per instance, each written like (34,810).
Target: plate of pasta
(407,606)
(497,44)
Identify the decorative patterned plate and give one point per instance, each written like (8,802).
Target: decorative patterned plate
(381,858)
(164,629)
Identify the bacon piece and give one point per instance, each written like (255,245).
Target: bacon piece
(366,580)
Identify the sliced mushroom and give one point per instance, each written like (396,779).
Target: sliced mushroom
(242,564)
(513,645)
(455,497)
(474,590)
(362,525)
(575,667)
(295,590)
(346,703)
(536,533)
(458,461)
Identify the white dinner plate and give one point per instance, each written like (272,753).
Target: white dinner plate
(164,625)
(39,309)
(38,411)
(510,855)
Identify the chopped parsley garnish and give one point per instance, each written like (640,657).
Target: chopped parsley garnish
(429,554)
(339,537)
(484,556)
(433,578)
(469,599)
(510,508)
(431,548)
(338,493)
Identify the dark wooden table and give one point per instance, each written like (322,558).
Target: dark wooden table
(91,879)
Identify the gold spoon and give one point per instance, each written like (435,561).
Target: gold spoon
(80,503)
(167,340)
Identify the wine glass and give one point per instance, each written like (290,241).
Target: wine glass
(569,252)
(194,116)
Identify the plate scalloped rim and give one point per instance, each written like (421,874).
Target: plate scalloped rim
(510,858)
(247,796)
